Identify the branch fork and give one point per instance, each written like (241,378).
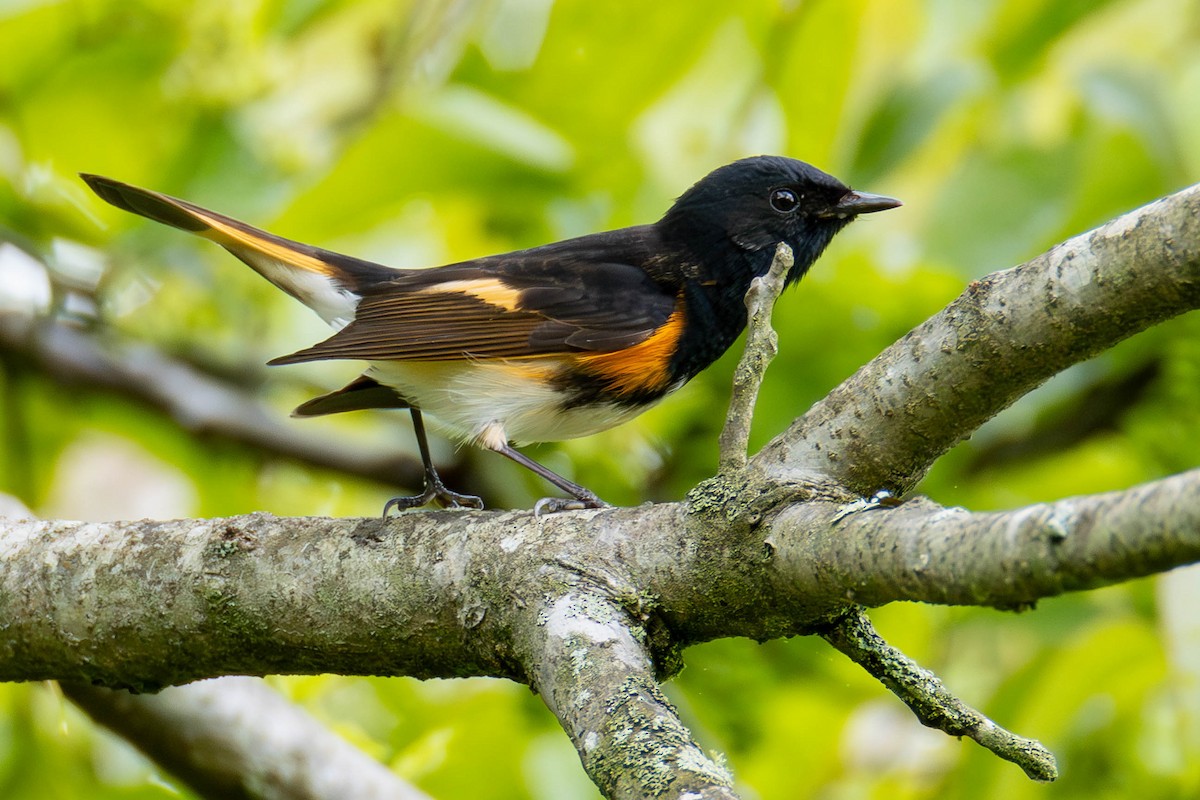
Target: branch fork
(851,632)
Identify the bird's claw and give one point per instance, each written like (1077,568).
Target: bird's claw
(553,505)
(435,492)
(449,499)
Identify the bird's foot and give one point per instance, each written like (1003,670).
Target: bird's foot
(435,492)
(553,505)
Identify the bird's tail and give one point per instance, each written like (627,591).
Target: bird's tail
(327,282)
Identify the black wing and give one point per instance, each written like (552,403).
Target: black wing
(583,295)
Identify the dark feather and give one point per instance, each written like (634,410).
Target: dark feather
(363,392)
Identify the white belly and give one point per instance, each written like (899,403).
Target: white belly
(490,403)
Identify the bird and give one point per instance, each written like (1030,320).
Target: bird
(549,343)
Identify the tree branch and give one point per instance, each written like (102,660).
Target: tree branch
(258,594)
(584,606)
(923,551)
(1008,332)
(233,738)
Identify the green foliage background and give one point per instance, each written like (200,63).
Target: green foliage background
(418,133)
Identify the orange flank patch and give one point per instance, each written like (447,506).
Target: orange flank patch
(228,235)
(642,367)
(492,291)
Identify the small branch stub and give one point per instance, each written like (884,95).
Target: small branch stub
(761,346)
(920,690)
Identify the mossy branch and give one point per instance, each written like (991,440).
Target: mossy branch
(595,673)
(922,691)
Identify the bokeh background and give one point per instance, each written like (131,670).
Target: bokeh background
(417,133)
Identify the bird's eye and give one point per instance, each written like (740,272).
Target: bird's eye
(784,201)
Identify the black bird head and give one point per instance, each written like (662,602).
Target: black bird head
(753,204)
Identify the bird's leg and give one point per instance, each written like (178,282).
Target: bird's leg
(435,491)
(580,497)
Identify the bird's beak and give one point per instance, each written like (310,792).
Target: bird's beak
(854,203)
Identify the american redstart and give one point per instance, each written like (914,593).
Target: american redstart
(549,343)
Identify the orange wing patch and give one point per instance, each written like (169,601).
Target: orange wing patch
(643,367)
(490,290)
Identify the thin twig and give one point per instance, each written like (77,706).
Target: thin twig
(761,346)
(929,700)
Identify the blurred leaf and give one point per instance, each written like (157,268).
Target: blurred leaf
(1025,29)
(466,113)
(1002,208)
(906,117)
